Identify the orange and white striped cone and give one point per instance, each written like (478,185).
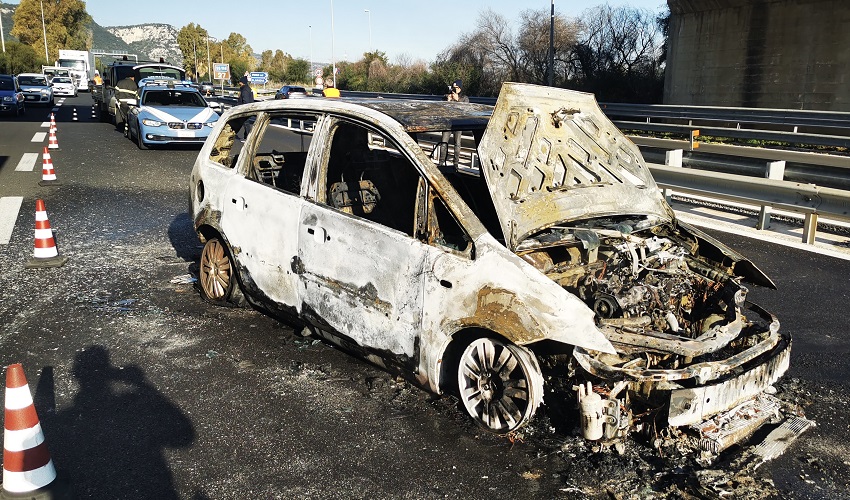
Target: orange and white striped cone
(28,470)
(45,253)
(52,123)
(48,174)
(52,142)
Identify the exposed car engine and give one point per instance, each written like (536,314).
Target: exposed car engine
(665,307)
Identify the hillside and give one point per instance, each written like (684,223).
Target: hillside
(148,41)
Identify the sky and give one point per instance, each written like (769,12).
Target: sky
(312,29)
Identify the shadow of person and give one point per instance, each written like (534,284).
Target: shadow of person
(115,434)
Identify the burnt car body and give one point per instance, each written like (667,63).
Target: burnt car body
(539,238)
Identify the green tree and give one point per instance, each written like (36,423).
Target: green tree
(266,60)
(277,67)
(65,24)
(297,71)
(21,58)
(192,40)
(239,55)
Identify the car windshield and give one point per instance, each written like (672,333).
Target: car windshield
(161,72)
(61,79)
(32,80)
(6,84)
(173,98)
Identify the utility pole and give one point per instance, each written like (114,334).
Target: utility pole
(311,50)
(44,30)
(2,36)
(333,61)
(552,47)
(195,51)
(209,59)
(370,28)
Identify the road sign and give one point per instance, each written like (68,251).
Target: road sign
(258,77)
(319,80)
(221,71)
(319,72)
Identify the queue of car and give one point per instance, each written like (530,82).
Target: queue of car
(16,91)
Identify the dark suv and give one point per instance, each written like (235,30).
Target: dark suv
(290,91)
(11,96)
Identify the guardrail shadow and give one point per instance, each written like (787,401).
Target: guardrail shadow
(111,441)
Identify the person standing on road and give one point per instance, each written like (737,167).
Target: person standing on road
(246,96)
(246,93)
(126,89)
(455,95)
(97,79)
(456,92)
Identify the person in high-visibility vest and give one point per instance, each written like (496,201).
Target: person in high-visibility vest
(330,90)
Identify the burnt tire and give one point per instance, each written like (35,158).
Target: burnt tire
(499,384)
(217,275)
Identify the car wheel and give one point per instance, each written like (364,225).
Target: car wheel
(499,384)
(216,275)
(139,141)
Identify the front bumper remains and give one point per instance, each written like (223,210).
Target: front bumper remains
(721,397)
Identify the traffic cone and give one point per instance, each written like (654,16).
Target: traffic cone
(28,470)
(44,253)
(52,142)
(48,175)
(52,123)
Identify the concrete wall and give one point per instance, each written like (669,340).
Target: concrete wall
(792,54)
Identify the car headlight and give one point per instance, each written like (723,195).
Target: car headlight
(44,91)
(210,124)
(152,123)
(8,98)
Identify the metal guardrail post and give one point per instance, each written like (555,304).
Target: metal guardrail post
(810,227)
(672,158)
(776,171)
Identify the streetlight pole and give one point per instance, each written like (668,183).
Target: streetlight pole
(2,36)
(44,31)
(552,47)
(195,51)
(333,61)
(209,59)
(311,50)
(367,11)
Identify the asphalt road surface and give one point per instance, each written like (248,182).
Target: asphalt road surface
(146,391)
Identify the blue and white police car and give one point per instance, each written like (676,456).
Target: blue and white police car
(169,112)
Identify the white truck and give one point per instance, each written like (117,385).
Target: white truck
(80,65)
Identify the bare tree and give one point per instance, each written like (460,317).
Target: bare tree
(533,42)
(618,53)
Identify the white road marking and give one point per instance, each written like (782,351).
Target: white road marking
(27,162)
(39,137)
(9,208)
(45,124)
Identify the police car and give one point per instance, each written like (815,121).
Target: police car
(169,112)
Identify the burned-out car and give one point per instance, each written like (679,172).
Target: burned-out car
(537,239)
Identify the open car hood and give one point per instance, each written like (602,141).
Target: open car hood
(551,156)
